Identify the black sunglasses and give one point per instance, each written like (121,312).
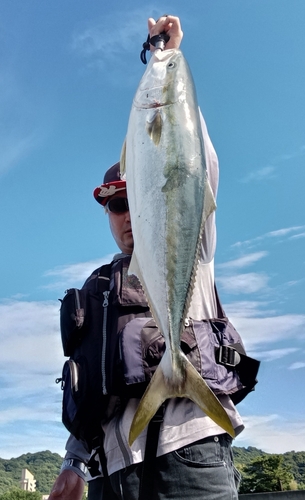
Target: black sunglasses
(117,205)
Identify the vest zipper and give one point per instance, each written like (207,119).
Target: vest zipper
(77,298)
(104,338)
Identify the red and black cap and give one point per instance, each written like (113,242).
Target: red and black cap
(112,184)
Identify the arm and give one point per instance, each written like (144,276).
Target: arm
(70,483)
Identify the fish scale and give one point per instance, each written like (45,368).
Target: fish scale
(169,199)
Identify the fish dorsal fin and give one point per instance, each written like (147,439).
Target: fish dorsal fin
(123,160)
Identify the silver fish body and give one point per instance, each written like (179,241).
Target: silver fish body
(170,199)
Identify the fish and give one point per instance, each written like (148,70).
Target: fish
(170,199)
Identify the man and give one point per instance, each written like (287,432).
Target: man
(194,457)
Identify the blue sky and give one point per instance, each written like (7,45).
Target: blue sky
(68,73)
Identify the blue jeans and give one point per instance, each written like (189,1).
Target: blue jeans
(203,470)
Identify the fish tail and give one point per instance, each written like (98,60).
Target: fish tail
(200,393)
(191,385)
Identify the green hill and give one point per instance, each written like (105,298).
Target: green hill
(45,466)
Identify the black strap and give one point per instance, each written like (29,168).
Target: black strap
(148,466)
(158,41)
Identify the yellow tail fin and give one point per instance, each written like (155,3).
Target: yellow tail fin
(193,387)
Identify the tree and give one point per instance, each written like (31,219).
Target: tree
(18,494)
(266,473)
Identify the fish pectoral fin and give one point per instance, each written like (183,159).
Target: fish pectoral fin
(198,391)
(154,127)
(155,394)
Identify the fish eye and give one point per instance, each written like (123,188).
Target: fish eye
(171,65)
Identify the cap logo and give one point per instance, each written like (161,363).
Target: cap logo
(104,191)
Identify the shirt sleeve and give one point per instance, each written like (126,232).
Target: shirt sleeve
(208,243)
(76,449)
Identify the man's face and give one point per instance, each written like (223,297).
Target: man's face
(120,226)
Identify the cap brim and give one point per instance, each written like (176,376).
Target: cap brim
(105,191)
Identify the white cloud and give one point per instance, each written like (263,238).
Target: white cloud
(18,133)
(100,41)
(30,359)
(269,171)
(243,283)
(28,438)
(274,354)
(257,332)
(260,174)
(279,233)
(297,236)
(285,231)
(74,274)
(31,354)
(244,261)
(248,309)
(297,365)
(273,434)
(14,148)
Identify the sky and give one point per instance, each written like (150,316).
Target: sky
(68,73)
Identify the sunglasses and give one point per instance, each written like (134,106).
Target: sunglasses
(118,205)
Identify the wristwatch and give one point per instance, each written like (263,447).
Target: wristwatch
(73,462)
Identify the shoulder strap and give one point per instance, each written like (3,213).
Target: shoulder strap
(220,311)
(99,278)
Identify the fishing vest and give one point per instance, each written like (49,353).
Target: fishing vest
(114,348)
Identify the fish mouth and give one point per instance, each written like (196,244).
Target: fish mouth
(153,105)
(156,97)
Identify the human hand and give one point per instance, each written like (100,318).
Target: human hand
(171,26)
(68,486)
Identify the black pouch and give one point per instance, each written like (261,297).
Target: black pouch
(72,319)
(73,384)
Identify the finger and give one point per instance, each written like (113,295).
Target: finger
(151,23)
(167,21)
